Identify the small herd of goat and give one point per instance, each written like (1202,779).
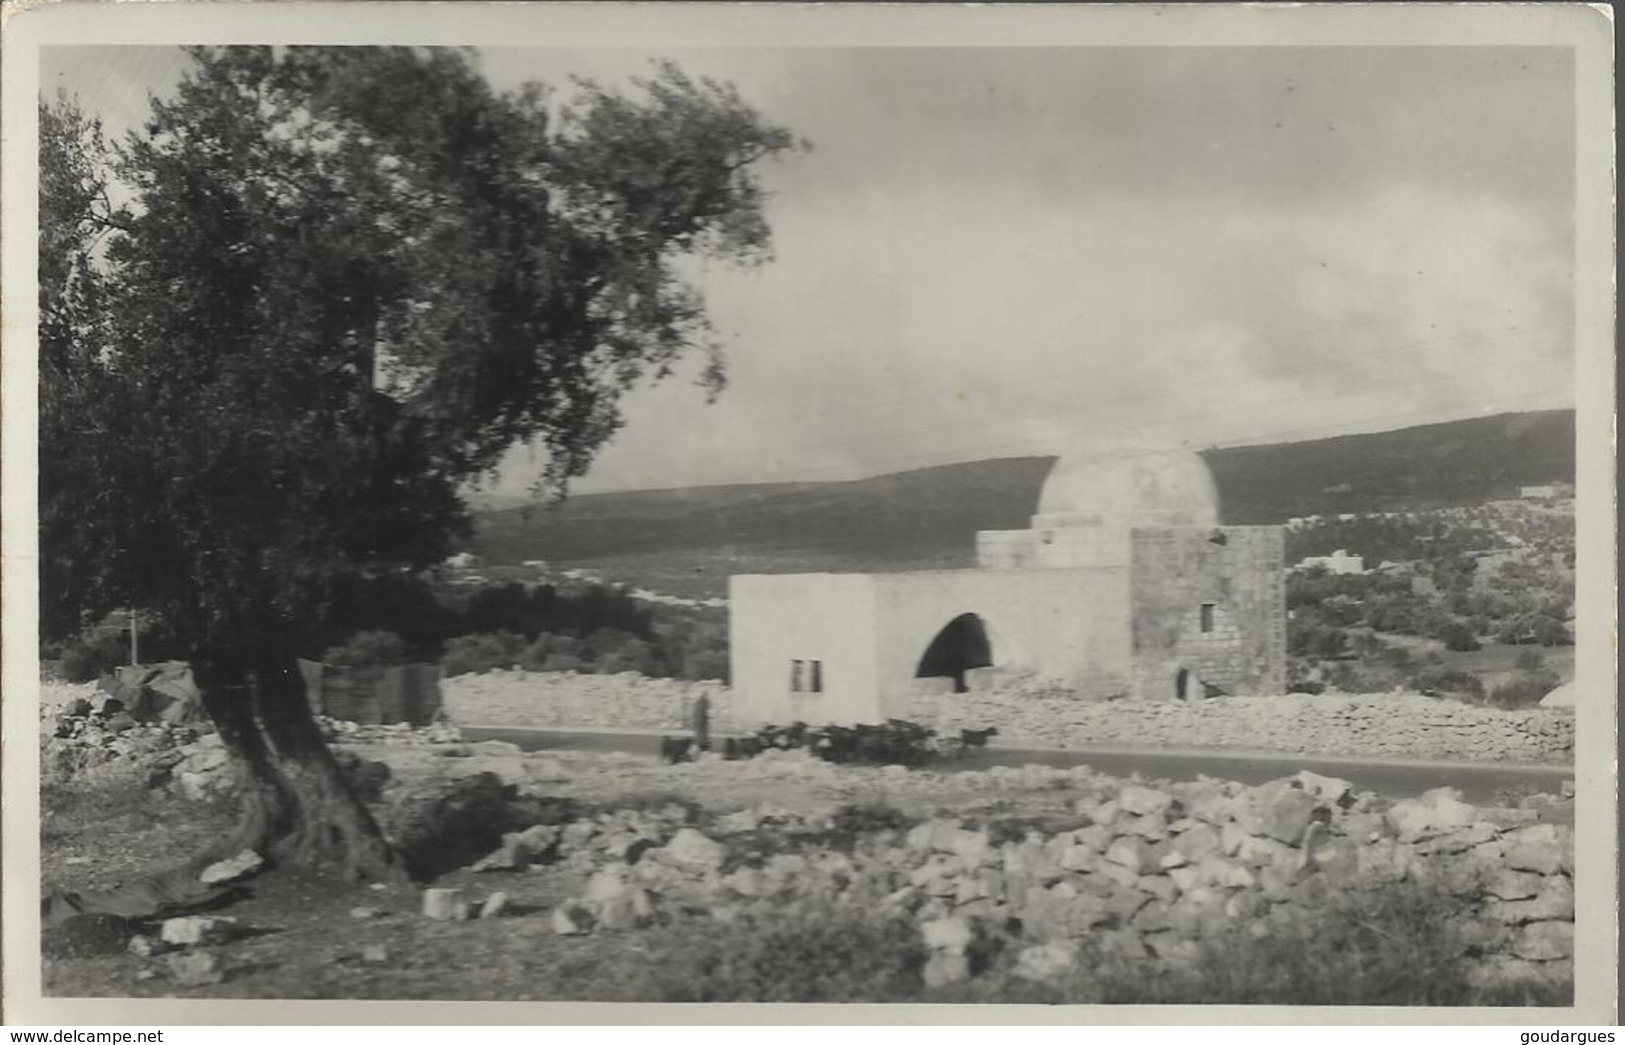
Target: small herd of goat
(894,743)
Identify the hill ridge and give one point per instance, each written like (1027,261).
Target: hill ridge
(689,538)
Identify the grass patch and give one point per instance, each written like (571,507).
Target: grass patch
(800,954)
(1392,944)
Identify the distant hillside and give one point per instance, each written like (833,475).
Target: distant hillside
(687,541)
(1453,463)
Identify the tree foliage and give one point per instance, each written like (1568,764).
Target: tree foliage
(349,279)
(286,320)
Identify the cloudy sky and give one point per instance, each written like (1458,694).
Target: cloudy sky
(1002,252)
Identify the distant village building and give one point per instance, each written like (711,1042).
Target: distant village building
(1339,562)
(1549,492)
(463,561)
(1124,585)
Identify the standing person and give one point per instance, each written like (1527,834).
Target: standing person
(702,721)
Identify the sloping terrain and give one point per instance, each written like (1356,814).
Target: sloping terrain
(687,541)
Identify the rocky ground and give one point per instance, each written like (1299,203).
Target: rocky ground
(609,877)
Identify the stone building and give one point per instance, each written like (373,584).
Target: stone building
(1125,585)
(1340,563)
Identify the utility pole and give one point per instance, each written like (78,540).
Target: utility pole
(134,659)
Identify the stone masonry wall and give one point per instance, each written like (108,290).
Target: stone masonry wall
(566,700)
(1148,874)
(1392,725)
(1174,573)
(1383,725)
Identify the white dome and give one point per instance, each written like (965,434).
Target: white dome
(1128,482)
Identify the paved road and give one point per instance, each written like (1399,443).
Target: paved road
(1395,778)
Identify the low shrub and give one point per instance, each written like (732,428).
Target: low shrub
(1523,691)
(895,743)
(92,656)
(471,654)
(369,649)
(1398,943)
(810,952)
(85,796)
(1529,660)
(866,817)
(1446,680)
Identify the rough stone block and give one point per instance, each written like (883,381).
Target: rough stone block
(1047,962)
(195,969)
(945,968)
(1144,801)
(1160,886)
(1199,841)
(1079,858)
(1132,853)
(1514,885)
(1325,789)
(690,849)
(1436,812)
(198,931)
(237,867)
(1554,902)
(1268,852)
(1121,944)
(572,918)
(947,934)
(1544,941)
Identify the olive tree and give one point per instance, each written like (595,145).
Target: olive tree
(333,285)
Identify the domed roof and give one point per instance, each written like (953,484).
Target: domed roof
(1128,481)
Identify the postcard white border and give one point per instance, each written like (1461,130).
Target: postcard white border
(1586,28)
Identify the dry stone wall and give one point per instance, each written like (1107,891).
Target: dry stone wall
(1383,725)
(1149,873)
(1393,725)
(566,700)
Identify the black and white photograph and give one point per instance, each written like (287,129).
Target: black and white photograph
(1100,508)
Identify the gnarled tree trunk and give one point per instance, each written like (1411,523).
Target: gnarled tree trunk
(297,806)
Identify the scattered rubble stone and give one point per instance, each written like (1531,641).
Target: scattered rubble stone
(442,905)
(572,918)
(946,967)
(195,968)
(1544,941)
(199,930)
(237,867)
(146,946)
(1047,962)
(1200,860)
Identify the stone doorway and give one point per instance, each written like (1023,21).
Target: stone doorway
(962,645)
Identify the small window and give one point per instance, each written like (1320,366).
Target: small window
(816,676)
(1207,616)
(797,674)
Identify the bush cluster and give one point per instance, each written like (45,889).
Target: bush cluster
(693,654)
(893,743)
(1391,944)
(1523,691)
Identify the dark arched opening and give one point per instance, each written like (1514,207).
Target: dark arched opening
(960,646)
(1182,682)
